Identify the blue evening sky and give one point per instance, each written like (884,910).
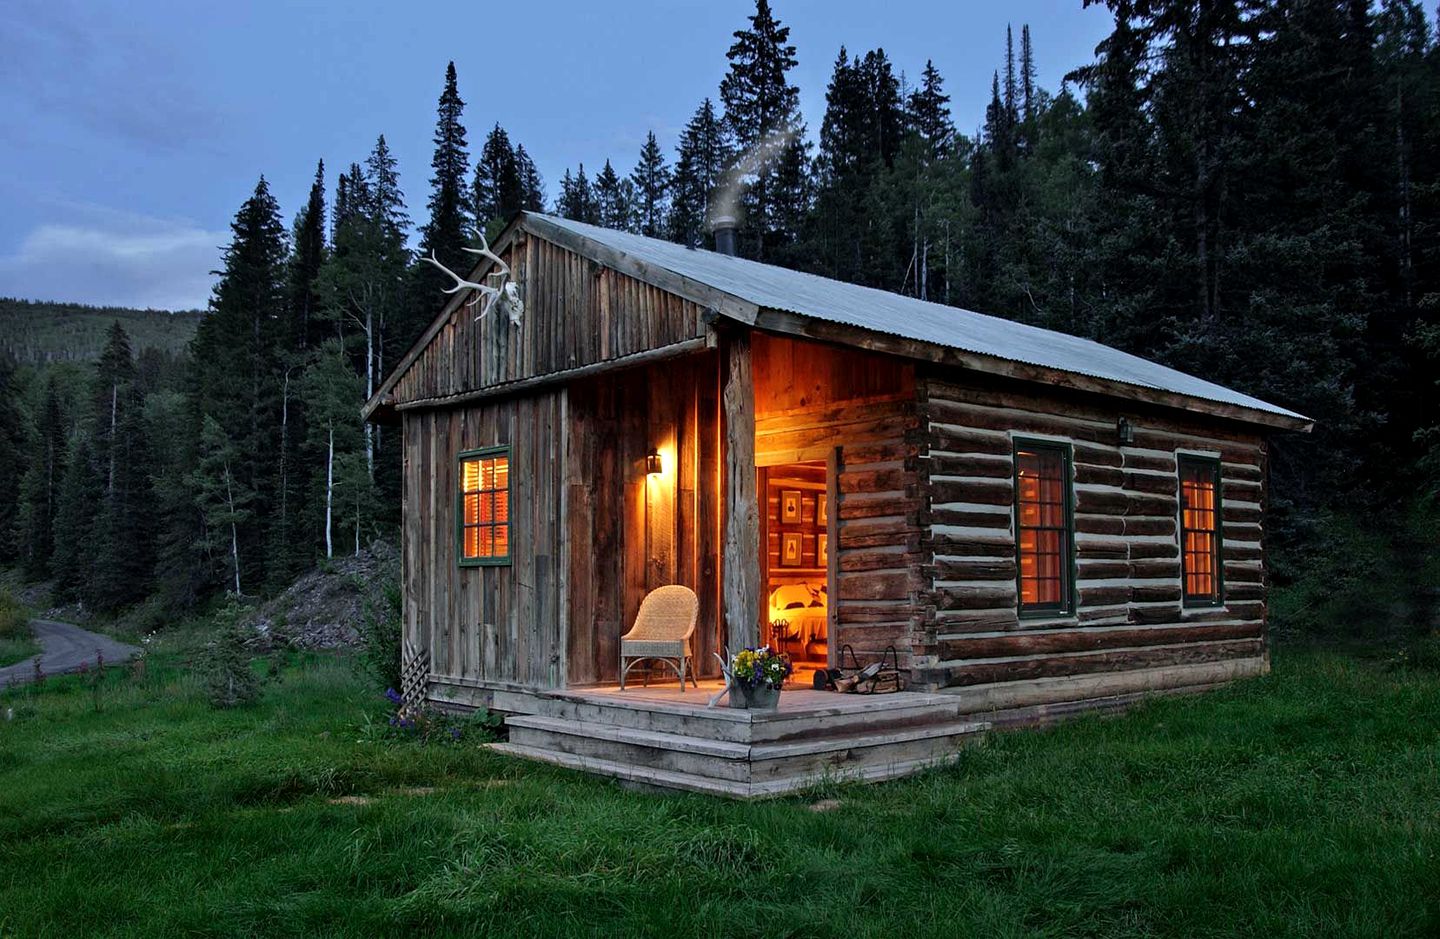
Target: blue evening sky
(133,130)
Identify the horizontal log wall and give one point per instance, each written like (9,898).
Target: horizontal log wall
(577,313)
(1129,613)
(497,626)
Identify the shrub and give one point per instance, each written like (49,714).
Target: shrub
(14,620)
(380,632)
(224,663)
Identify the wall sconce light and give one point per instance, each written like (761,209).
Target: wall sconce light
(1124,431)
(653,466)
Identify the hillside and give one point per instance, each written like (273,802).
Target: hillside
(35,332)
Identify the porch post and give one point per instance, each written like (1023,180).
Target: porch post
(742,513)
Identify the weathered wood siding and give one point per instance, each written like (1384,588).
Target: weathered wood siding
(499,626)
(631,532)
(1129,613)
(857,411)
(577,313)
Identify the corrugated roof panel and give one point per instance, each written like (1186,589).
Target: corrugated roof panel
(778,288)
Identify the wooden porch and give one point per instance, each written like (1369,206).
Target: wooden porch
(659,737)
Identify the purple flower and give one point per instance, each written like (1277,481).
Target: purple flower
(393,696)
(454,733)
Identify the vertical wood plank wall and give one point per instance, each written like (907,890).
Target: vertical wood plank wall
(576,313)
(497,626)
(631,532)
(1129,613)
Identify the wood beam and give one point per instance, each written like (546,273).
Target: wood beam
(742,511)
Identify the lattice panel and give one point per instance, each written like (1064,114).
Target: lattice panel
(414,674)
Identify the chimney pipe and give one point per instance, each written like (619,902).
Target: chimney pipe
(724,228)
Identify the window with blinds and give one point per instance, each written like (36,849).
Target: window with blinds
(484,512)
(1200,530)
(1043,526)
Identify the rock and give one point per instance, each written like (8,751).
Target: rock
(325,607)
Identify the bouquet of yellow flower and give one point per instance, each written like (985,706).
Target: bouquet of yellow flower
(762,667)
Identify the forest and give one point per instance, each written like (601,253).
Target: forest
(1248,190)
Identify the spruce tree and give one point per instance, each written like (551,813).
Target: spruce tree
(1029,92)
(700,161)
(499,185)
(577,198)
(762,113)
(12,461)
(651,179)
(238,359)
(614,200)
(532,187)
(40,488)
(308,239)
(120,549)
(81,489)
(929,108)
(445,235)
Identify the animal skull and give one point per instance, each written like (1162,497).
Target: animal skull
(505,294)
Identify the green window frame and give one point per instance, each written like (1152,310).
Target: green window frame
(483,533)
(1201,524)
(1044,503)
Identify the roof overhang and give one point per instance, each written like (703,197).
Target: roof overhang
(382,406)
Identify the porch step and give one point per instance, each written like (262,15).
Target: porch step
(765,767)
(690,782)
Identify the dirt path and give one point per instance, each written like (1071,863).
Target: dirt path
(65,647)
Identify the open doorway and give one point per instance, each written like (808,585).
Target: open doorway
(796,564)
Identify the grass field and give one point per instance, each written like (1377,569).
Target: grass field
(1306,803)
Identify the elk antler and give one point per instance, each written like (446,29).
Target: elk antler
(486,296)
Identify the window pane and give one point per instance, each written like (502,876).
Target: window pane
(1199,516)
(1043,536)
(485,507)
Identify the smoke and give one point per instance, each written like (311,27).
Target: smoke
(752,163)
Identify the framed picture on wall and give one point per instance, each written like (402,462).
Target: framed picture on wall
(822,510)
(822,549)
(790,549)
(790,506)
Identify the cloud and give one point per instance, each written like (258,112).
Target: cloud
(115,259)
(81,64)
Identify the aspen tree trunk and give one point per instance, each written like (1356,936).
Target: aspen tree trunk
(329,492)
(369,387)
(234,532)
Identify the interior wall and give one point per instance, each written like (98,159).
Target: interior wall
(856,410)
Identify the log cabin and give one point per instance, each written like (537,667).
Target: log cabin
(1029,523)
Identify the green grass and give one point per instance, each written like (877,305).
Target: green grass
(17,642)
(1306,803)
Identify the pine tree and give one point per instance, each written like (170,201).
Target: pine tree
(499,185)
(651,179)
(236,374)
(532,187)
(1029,92)
(308,238)
(120,549)
(577,198)
(930,111)
(12,462)
(81,488)
(40,488)
(762,113)
(445,234)
(701,158)
(614,200)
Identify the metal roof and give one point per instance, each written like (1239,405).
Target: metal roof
(821,298)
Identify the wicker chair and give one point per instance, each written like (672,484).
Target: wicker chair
(662,632)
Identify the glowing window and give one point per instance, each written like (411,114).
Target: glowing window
(1200,530)
(484,512)
(1043,528)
